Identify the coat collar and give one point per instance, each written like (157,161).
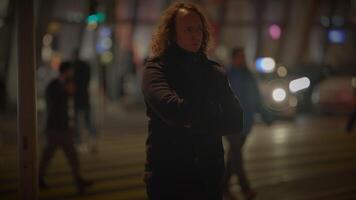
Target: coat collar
(176,53)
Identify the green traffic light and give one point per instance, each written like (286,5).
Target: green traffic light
(91,19)
(101,17)
(96,18)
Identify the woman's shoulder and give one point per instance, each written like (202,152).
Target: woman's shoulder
(154,62)
(161,62)
(212,62)
(220,68)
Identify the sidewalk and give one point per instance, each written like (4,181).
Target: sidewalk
(113,119)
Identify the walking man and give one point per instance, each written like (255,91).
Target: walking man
(59,133)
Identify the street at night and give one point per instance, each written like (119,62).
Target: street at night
(177,100)
(309,157)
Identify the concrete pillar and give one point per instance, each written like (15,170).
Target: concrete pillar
(27,120)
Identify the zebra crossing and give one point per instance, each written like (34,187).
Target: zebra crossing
(116,170)
(301,160)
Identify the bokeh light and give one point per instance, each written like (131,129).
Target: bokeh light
(47,39)
(299,84)
(282,71)
(106,57)
(275,31)
(265,64)
(337,36)
(279,94)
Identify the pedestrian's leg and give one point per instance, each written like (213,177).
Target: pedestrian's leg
(78,139)
(241,173)
(72,156)
(235,162)
(248,125)
(230,166)
(228,171)
(71,153)
(88,123)
(47,155)
(239,166)
(350,123)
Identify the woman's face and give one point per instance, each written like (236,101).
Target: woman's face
(189,30)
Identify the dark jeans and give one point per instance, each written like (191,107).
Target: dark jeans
(350,122)
(235,162)
(59,140)
(83,113)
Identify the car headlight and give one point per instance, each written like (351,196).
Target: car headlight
(299,84)
(279,94)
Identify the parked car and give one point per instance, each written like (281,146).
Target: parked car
(334,95)
(277,97)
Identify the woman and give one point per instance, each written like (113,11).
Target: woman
(190,106)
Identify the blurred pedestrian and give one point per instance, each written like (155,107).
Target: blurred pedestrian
(82,101)
(350,122)
(245,87)
(190,106)
(59,133)
(2,95)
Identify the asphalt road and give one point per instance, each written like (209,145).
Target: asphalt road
(308,158)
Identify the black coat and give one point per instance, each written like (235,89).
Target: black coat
(57,106)
(190,106)
(81,80)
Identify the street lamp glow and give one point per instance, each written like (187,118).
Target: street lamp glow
(299,84)
(337,36)
(282,71)
(47,39)
(265,64)
(279,95)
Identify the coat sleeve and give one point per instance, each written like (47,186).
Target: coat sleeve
(232,121)
(266,114)
(162,99)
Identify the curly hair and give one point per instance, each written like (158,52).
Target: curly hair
(164,34)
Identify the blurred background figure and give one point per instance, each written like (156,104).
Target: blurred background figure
(82,102)
(245,87)
(350,122)
(2,95)
(59,132)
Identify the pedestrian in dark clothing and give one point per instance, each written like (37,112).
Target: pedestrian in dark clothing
(2,94)
(190,106)
(59,133)
(350,122)
(82,99)
(245,87)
